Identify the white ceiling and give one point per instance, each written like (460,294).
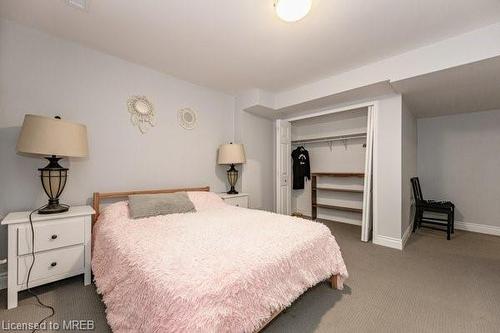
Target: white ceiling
(468,88)
(357,95)
(233,45)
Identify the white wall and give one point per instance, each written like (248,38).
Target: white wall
(45,75)
(409,160)
(339,159)
(257,178)
(459,160)
(388,171)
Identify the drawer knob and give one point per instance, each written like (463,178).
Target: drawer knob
(54,236)
(53,264)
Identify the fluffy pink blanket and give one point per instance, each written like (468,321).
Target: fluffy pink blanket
(221,269)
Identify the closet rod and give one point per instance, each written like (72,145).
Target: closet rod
(330,139)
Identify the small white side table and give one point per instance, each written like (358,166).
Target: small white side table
(239,200)
(62,248)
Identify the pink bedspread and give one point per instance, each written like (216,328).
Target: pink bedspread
(221,269)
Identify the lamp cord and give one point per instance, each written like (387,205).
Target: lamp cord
(53,311)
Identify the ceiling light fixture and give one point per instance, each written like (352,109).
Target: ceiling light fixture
(292,10)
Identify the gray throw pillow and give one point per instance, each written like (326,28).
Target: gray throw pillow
(146,205)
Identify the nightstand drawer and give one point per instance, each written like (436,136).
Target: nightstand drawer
(69,260)
(51,235)
(237,201)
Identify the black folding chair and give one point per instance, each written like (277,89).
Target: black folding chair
(442,207)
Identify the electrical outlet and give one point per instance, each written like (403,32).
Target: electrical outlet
(80,4)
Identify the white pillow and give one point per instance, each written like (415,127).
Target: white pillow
(205,200)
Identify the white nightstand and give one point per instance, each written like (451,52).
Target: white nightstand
(239,200)
(62,248)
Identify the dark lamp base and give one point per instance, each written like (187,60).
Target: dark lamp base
(232,177)
(53,178)
(232,191)
(53,209)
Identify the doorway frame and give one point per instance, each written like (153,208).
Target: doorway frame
(375,109)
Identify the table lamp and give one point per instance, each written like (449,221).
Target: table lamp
(54,139)
(231,154)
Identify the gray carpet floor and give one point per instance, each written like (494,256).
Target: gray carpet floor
(433,285)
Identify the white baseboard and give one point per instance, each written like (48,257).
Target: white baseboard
(3,280)
(393,243)
(480,228)
(472,227)
(406,235)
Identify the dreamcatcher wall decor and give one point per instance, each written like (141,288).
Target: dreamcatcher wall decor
(187,118)
(141,112)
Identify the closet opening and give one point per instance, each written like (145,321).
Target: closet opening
(325,167)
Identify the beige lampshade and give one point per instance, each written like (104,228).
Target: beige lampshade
(49,136)
(232,153)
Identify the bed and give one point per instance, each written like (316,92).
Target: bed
(220,269)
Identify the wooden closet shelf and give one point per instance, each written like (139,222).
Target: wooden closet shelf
(343,208)
(339,174)
(335,189)
(330,220)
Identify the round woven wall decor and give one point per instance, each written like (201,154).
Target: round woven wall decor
(187,118)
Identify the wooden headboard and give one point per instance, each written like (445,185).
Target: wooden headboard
(98,196)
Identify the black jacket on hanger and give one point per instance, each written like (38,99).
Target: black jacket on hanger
(301,167)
